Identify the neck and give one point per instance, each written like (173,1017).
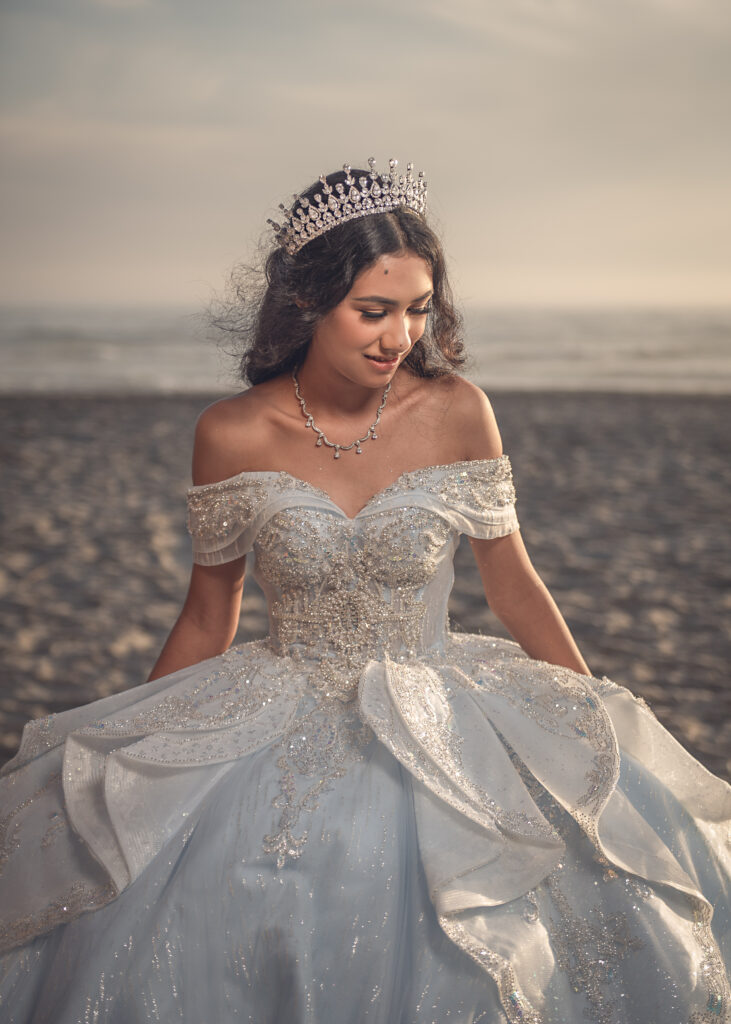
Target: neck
(324,388)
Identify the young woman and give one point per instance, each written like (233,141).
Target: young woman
(364,818)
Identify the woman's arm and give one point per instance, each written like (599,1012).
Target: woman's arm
(209,618)
(520,599)
(514,590)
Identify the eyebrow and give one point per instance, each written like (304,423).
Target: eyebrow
(390,302)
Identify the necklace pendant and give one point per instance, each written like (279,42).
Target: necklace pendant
(359,450)
(318,442)
(337,452)
(374,437)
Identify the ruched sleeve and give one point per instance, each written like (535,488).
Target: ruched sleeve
(479,497)
(222,518)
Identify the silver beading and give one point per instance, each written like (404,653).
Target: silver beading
(347,200)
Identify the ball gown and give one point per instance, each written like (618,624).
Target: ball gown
(364,818)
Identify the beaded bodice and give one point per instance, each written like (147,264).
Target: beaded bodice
(345,590)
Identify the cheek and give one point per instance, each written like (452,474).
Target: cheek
(338,330)
(350,325)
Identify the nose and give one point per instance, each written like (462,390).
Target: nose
(396,337)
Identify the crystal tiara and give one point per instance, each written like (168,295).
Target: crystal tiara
(347,200)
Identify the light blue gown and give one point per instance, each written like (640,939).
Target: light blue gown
(364,819)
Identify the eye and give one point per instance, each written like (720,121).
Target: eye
(379,314)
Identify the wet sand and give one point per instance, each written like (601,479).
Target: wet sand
(623,501)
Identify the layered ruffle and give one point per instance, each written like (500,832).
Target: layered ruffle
(464,727)
(93,800)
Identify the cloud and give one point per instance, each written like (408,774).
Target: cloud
(196,120)
(120,4)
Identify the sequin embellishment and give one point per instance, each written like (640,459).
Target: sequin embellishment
(589,948)
(517,1008)
(347,594)
(9,827)
(321,745)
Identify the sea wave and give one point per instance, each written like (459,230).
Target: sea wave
(131,350)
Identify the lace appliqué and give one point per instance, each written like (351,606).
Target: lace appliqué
(570,708)
(517,1008)
(79,898)
(479,486)
(588,948)
(242,684)
(56,825)
(417,703)
(712,970)
(10,827)
(349,592)
(323,743)
(591,973)
(216,511)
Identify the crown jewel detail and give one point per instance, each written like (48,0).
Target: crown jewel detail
(348,200)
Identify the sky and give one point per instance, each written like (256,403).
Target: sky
(578,152)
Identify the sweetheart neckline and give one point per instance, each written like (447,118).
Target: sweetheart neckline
(313,488)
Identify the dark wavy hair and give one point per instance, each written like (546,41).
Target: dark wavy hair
(274,319)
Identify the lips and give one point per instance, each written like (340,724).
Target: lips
(383,362)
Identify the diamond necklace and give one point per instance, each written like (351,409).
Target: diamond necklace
(322,440)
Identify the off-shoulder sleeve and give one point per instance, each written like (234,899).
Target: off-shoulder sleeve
(479,497)
(222,518)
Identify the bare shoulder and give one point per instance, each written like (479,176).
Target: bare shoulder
(468,415)
(227,430)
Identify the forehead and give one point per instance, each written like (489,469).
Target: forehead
(395,272)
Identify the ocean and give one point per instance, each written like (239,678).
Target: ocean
(128,350)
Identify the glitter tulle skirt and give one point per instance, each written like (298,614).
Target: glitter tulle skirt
(390,859)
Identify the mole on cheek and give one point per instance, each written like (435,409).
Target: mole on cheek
(385,273)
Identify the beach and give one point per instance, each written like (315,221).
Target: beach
(623,501)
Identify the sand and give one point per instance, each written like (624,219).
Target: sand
(623,501)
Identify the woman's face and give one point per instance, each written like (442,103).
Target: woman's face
(367,335)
